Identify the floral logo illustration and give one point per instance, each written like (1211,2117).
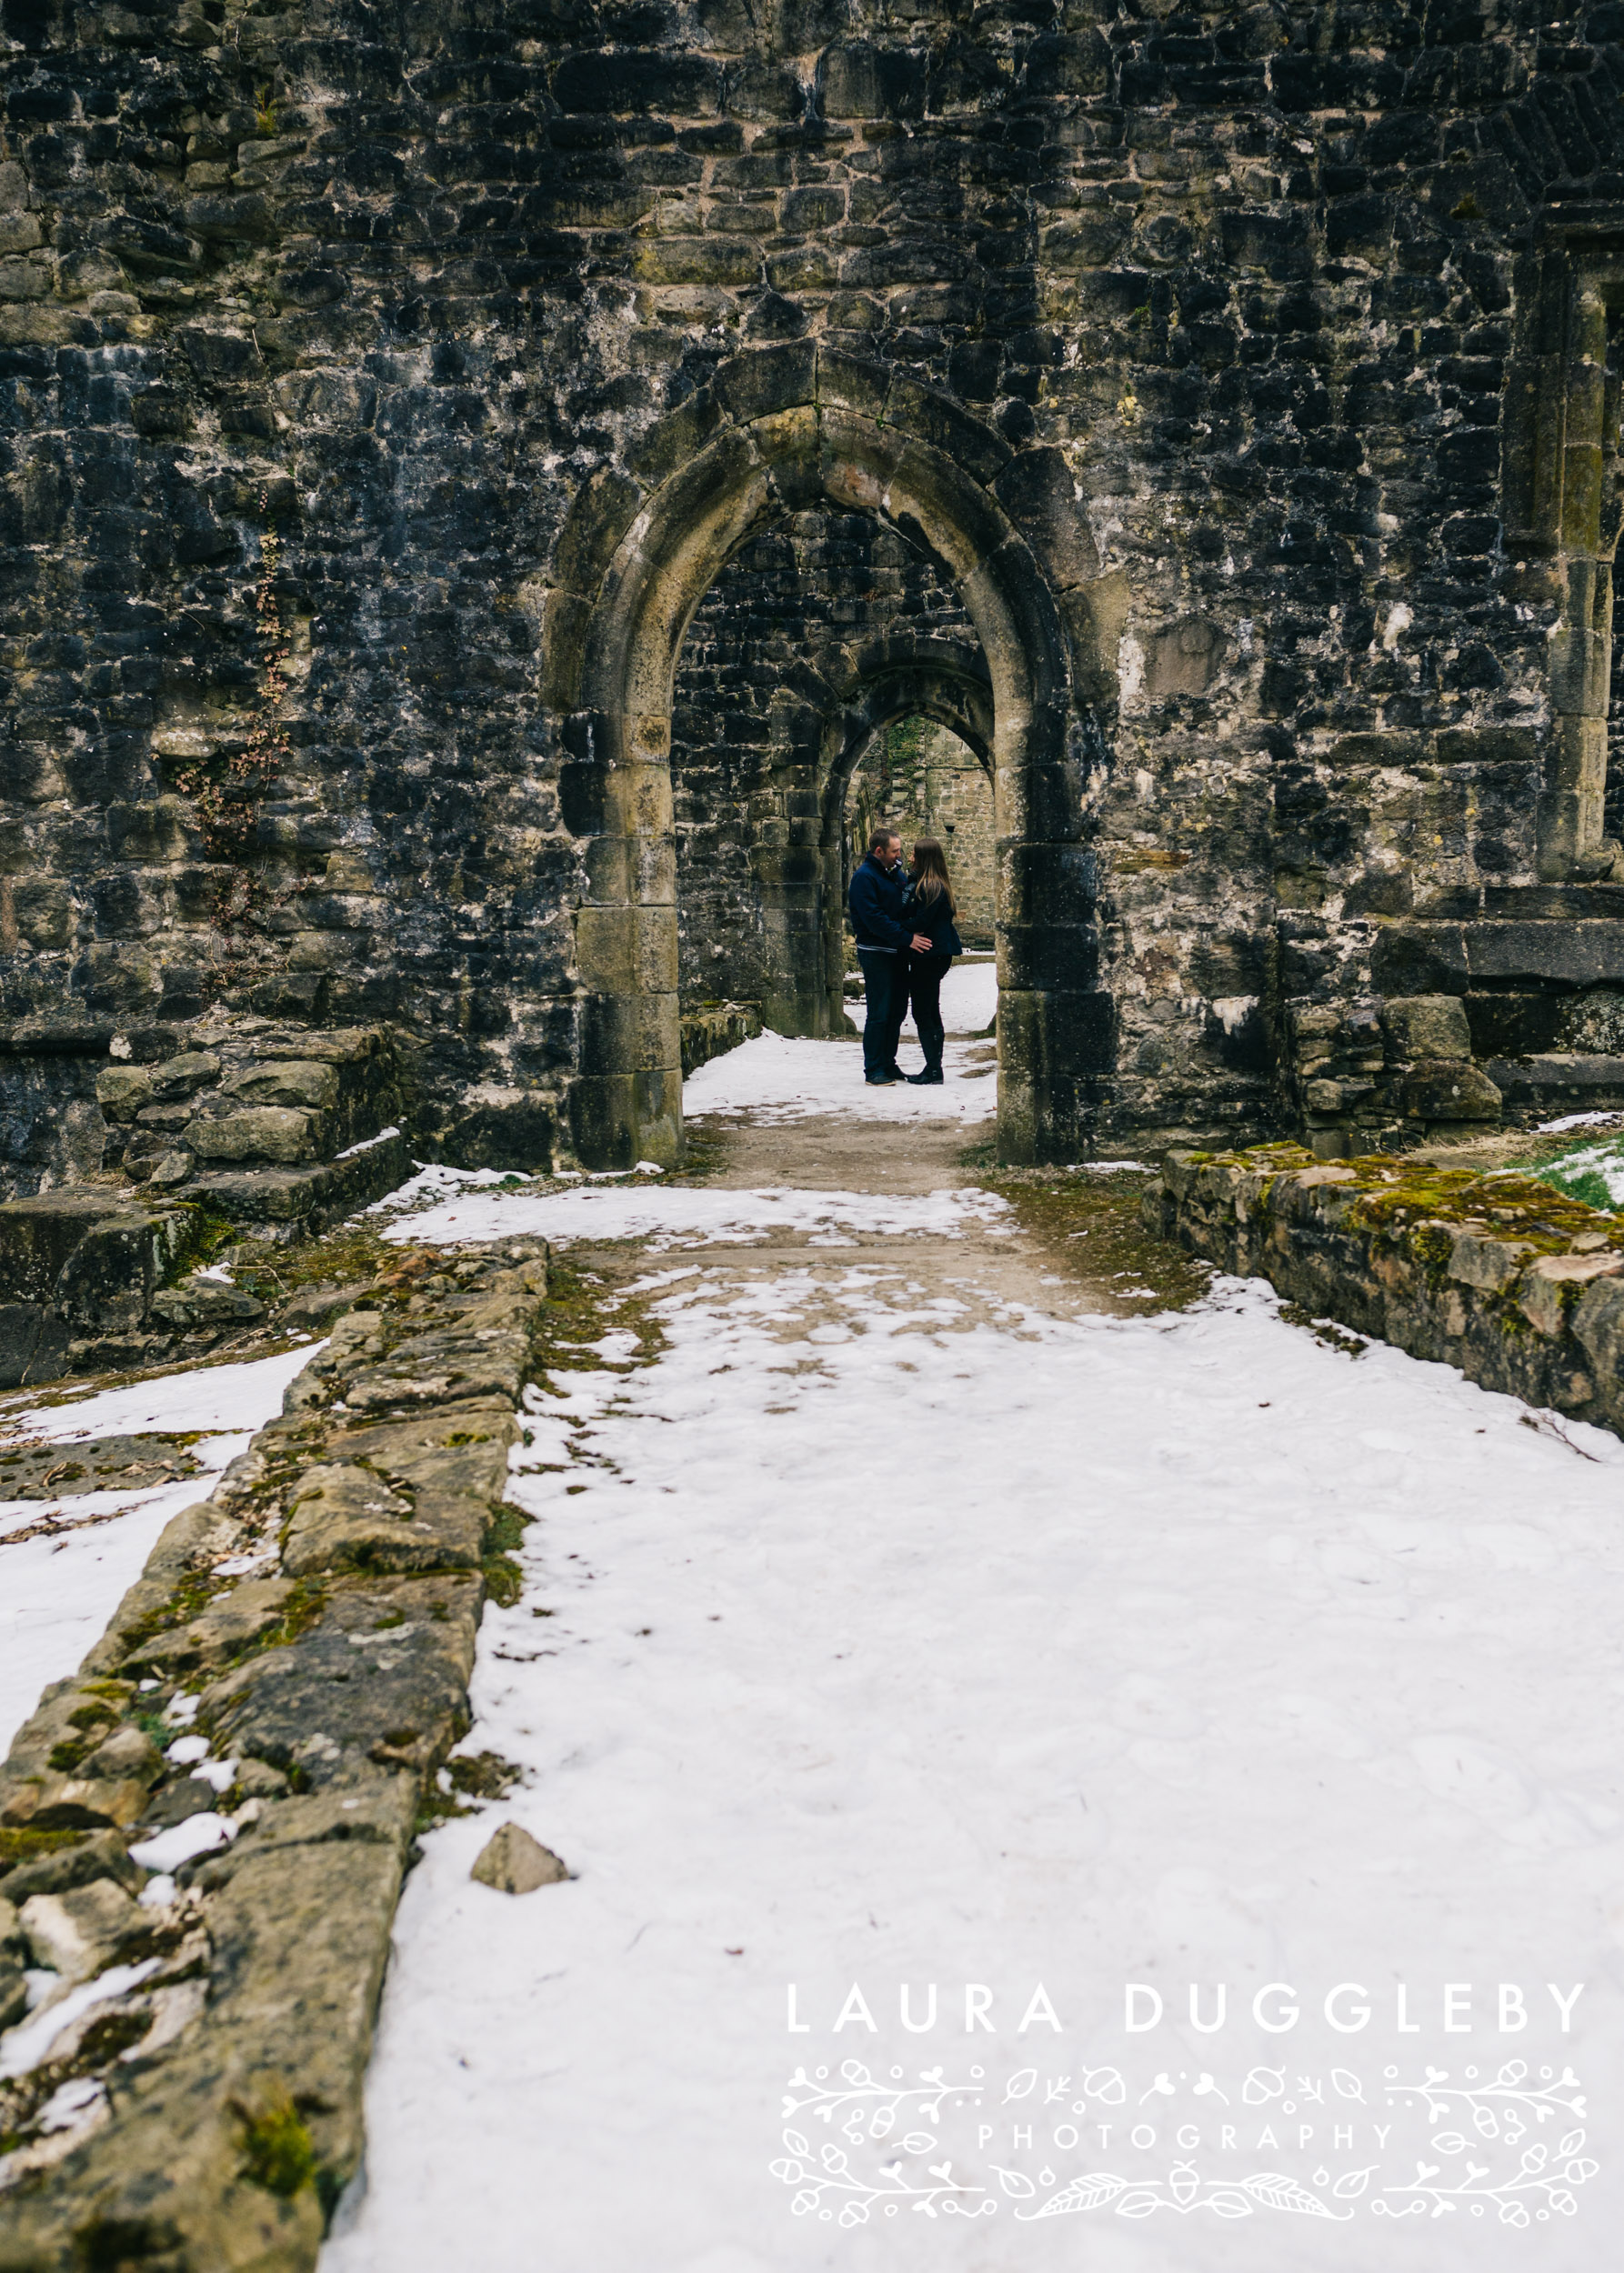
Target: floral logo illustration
(1479,2159)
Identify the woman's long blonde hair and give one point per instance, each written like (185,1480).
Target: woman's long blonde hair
(930,872)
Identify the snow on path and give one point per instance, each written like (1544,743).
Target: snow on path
(776,1077)
(689,1216)
(57,1594)
(969,997)
(1074,1652)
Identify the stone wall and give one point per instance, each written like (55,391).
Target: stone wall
(1515,1283)
(1248,379)
(314,1622)
(712,1029)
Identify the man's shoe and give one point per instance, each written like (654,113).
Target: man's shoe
(882,1081)
(929,1079)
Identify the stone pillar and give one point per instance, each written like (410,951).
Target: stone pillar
(626,1104)
(1574,780)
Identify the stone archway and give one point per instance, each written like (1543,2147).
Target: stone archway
(772,431)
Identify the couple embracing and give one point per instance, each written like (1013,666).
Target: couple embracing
(903,924)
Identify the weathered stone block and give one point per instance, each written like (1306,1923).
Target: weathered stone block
(1547,1294)
(697,260)
(288,1082)
(275,1133)
(1489,1264)
(121,1090)
(343,1519)
(1427,1025)
(1450,1089)
(76,1934)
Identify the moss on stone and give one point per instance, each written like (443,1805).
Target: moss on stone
(503,1578)
(23,1845)
(304,1610)
(1396,1196)
(278,2152)
(1432,1244)
(188,1600)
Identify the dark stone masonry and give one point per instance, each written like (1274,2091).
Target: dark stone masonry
(476,480)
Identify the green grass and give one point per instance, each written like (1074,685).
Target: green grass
(1592,1172)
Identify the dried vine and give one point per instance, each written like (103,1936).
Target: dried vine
(226,791)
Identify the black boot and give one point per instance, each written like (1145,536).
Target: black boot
(929,1077)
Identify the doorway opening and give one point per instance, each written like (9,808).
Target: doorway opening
(907,502)
(922,779)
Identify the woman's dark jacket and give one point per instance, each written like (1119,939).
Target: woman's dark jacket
(934,920)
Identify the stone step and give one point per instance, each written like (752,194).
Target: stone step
(88,1277)
(77,1265)
(283,1202)
(251,1098)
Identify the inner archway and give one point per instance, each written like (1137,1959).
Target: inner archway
(924,780)
(773,701)
(775,434)
(920,777)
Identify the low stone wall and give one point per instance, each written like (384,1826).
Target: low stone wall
(1518,1285)
(92,1278)
(710,1033)
(314,1623)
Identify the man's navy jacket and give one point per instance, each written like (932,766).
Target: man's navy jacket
(875,904)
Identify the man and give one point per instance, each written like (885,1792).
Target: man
(883,940)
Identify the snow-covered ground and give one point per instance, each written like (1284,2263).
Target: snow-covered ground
(694,1215)
(780,1078)
(858,1651)
(969,1000)
(58,1592)
(885,1637)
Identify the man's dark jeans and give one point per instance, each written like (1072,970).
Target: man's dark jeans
(884,1003)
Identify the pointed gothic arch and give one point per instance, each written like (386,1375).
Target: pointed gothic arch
(773,432)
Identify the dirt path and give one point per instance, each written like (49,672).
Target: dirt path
(1070,1246)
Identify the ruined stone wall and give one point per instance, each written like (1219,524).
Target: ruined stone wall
(314,1621)
(299,389)
(1519,1286)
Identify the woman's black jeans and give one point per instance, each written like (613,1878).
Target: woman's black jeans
(925,977)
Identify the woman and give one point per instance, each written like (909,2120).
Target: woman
(930,908)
